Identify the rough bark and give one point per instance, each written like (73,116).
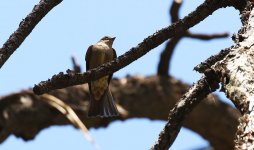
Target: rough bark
(237,71)
(24,114)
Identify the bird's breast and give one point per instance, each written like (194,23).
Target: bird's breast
(100,54)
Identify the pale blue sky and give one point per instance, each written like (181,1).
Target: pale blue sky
(74,25)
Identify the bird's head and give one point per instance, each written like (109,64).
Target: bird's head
(108,40)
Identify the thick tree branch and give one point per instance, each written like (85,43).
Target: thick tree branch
(25,28)
(238,68)
(24,114)
(64,80)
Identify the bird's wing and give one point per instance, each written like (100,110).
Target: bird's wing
(114,56)
(88,56)
(114,53)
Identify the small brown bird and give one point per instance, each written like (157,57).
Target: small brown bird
(101,100)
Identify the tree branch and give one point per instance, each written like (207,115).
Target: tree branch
(238,68)
(76,66)
(203,66)
(186,104)
(25,28)
(166,55)
(205,36)
(163,66)
(25,114)
(62,80)
(174,10)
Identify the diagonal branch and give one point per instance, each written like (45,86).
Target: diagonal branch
(25,28)
(62,80)
(203,66)
(185,105)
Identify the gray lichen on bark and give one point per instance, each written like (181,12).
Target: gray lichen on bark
(237,78)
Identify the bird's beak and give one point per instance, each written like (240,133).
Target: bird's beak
(113,38)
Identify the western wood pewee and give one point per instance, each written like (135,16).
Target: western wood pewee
(101,100)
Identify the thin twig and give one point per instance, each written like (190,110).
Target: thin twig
(206,36)
(25,28)
(76,66)
(64,80)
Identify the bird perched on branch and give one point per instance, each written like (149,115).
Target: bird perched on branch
(101,100)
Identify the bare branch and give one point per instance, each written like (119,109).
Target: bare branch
(185,105)
(62,80)
(24,114)
(166,55)
(163,66)
(203,66)
(206,36)
(174,10)
(25,28)
(76,66)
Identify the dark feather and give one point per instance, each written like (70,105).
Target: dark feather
(114,56)
(105,107)
(88,56)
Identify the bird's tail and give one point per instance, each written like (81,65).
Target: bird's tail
(105,107)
